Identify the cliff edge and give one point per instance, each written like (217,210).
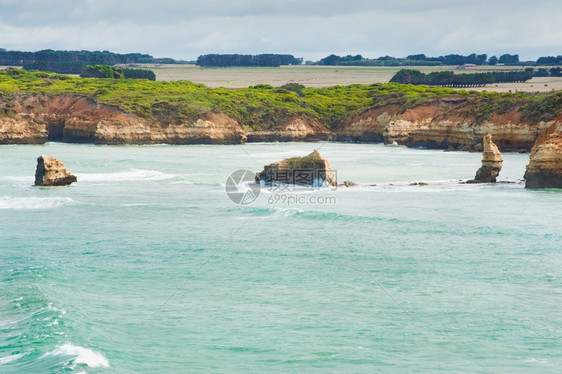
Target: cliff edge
(446,123)
(449,122)
(545,162)
(36,119)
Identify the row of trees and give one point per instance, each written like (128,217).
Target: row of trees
(106,71)
(423,60)
(73,62)
(358,60)
(542,72)
(419,60)
(449,78)
(231,60)
(550,60)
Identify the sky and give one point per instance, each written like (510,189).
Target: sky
(312,29)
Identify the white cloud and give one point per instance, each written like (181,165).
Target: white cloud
(306,28)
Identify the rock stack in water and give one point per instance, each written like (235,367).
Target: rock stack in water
(545,164)
(491,163)
(51,172)
(311,170)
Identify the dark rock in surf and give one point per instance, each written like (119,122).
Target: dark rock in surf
(52,172)
(311,170)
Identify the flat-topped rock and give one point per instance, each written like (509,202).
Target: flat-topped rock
(52,172)
(311,170)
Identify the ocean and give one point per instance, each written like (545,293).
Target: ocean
(145,265)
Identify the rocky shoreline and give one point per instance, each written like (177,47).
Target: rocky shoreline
(443,124)
(439,124)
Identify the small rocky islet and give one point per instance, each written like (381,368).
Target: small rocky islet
(310,170)
(491,163)
(51,171)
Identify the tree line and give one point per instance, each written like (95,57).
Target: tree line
(233,60)
(73,62)
(449,78)
(419,59)
(542,72)
(423,60)
(106,71)
(550,60)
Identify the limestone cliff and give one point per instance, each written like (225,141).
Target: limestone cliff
(35,119)
(294,129)
(21,130)
(444,123)
(545,164)
(369,126)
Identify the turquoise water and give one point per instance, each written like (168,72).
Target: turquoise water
(146,266)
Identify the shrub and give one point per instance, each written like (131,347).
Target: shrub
(102,71)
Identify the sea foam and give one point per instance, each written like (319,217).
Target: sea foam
(6,359)
(286,212)
(81,355)
(32,203)
(124,176)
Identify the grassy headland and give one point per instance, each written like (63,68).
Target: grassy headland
(264,106)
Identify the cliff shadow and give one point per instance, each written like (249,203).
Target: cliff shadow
(55,132)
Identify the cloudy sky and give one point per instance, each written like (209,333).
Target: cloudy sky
(312,29)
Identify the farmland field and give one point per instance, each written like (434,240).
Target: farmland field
(323,76)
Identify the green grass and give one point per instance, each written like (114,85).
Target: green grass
(264,106)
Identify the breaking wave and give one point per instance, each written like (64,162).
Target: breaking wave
(124,176)
(33,203)
(80,356)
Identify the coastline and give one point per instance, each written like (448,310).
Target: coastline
(448,123)
(37,107)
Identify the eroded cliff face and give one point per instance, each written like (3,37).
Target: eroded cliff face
(545,162)
(369,126)
(34,119)
(19,130)
(294,129)
(441,124)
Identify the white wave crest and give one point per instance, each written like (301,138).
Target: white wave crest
(285,212)
(7,359)
(33,203)
(124,176)
(81,355)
